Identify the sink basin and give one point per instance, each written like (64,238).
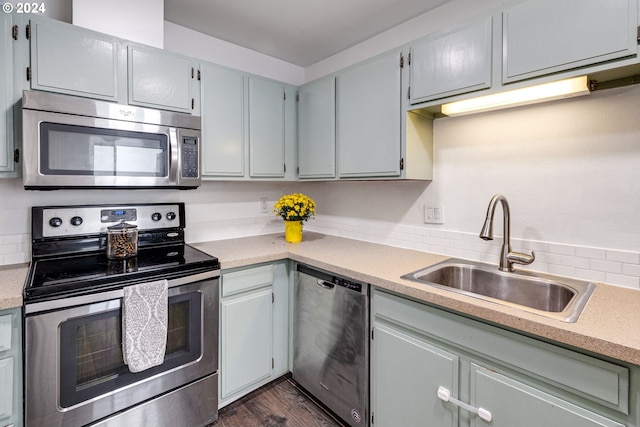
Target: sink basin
(550,296)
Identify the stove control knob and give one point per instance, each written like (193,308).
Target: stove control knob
(156,216)
(76,220)
(55,222)
(171,216)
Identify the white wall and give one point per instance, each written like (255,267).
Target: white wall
(141,21)
(192,43)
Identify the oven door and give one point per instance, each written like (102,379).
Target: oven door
(74,370)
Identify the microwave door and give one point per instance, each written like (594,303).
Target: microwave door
(75,151)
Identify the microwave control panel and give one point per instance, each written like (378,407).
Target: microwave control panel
(190,157)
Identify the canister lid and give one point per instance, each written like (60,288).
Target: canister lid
(122,226)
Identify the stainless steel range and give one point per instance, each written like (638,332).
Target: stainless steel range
(75,374)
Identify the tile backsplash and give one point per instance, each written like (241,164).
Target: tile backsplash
(611,266)
(15,249)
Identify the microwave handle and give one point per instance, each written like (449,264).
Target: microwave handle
(173,154)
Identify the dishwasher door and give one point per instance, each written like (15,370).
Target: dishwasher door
(330,342)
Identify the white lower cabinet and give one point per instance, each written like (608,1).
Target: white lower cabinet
(418,370)
(246,344)
(514,403)
(254,326)
(11,368)
(436,369)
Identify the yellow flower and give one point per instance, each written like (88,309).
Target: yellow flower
(295,207)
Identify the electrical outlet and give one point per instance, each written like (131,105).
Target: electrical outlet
(264,208)
(434,213)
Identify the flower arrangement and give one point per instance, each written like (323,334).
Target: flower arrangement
(295,207)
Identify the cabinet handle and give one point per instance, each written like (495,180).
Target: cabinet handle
(445,396)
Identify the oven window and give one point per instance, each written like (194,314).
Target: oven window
(91,350)
(81,150)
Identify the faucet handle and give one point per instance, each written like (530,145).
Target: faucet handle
(520,258)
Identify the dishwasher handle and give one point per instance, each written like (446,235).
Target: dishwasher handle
(324,284)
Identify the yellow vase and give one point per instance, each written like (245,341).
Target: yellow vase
(293,231)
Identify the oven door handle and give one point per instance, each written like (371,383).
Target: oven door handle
(60,303)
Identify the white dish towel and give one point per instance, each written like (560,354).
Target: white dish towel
(144,325)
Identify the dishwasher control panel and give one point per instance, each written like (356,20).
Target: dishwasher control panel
(348,284)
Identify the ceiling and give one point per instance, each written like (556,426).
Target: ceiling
(300,32)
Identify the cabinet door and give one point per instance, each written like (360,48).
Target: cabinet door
(368,118)
(74,61)
(6,96)
(6,388)
(457,63)
(222,121)
(317,130)
(405,375)
(266,128)
(160,80)
(246,345)
(10,367)
(513,403)
(546,36)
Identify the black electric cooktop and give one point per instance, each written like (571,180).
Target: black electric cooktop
(70,275)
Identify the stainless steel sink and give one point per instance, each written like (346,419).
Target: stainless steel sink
(550,296)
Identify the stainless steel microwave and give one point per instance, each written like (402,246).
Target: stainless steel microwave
(73,142)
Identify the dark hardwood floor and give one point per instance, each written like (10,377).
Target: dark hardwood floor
(278,404)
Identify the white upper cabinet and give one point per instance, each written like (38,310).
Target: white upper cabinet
(317,130)
(159,79)
(7,163)
(248,126)
(266,128)
(547,36)
(451,64)
(222,122)
(369,118)
(71,60)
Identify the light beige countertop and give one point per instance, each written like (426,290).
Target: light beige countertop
(608,325)
(12,279)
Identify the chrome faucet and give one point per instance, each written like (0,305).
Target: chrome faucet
(507,258)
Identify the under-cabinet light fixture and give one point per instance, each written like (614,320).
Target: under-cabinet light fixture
(528,95)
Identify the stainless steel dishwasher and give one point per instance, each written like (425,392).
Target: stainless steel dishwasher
(330,342)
